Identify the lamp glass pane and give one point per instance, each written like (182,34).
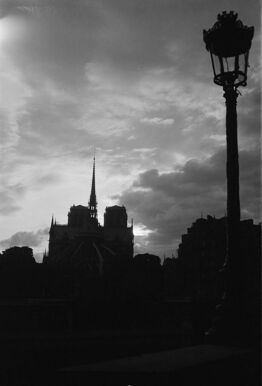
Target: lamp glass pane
(217,69)
(242,63)
(213,63)
(229,64)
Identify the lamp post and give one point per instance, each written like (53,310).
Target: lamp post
(229,42)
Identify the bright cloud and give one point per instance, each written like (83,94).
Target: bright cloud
(158,121)
(31,239)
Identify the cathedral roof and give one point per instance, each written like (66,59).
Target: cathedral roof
(79,207)
(115,207)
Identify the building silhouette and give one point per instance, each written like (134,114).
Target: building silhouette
(85,247)
(201,255)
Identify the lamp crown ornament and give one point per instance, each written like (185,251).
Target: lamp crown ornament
(228,20)
(227,16)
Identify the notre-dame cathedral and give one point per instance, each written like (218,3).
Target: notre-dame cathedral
(85,244)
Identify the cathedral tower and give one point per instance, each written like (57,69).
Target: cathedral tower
(84,242)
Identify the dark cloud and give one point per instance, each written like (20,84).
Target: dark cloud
(123,34)
(250,183)
(167,203)
(249,108)
(31,239)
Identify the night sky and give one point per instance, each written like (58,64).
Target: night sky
(132,79)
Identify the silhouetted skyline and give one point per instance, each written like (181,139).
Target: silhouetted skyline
(134,80)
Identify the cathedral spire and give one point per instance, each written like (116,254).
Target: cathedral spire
(92,201)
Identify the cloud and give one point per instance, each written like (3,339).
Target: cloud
(158,121)
(10,197)
(93,74)
(31,239)
(47,179)
(13,194)
(167,203)
(133,80)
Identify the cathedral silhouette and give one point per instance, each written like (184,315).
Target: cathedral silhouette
(84,243)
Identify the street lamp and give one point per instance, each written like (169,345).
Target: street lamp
(229,42)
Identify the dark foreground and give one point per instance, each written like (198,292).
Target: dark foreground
(123,358)
(201,365)
(35,359)
(53,343)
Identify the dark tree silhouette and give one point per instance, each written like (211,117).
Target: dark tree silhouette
(20,275)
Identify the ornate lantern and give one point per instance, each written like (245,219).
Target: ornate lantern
(229,42)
